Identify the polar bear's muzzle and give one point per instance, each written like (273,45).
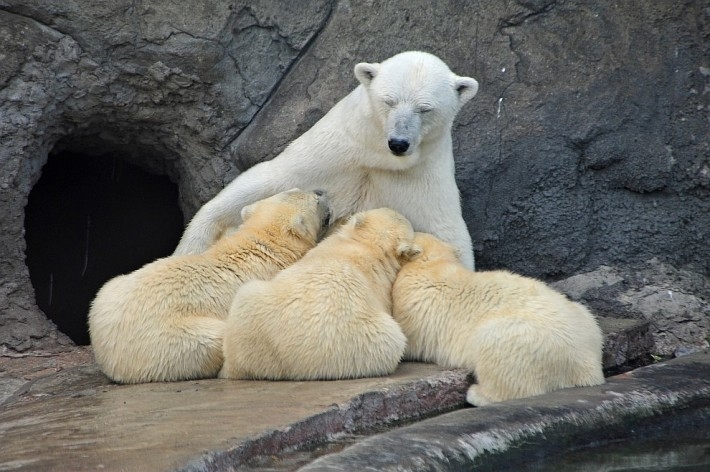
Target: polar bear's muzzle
(403,129)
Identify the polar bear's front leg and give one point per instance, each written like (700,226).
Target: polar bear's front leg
(224,210)
(462,240)
(205,228)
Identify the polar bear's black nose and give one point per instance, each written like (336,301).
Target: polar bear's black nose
(398,146)
(319,193)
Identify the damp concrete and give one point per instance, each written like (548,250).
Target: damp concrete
(59,412)
(78,420)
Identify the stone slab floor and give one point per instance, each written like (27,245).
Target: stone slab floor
(75,419)
(59,412)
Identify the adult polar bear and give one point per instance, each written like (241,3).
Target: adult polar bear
(386,144)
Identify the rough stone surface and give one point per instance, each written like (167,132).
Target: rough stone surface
(587,145)
(626,342)
(160,85)
(662,401)
(674,302)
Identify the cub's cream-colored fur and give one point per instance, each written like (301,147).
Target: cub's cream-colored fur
(521,337)
(164,321)
(329,315)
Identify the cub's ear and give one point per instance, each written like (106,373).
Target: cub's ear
(466,88)
(366,72)
(355,221)
(247,211)
(408,251)
(299,226)
(458,253)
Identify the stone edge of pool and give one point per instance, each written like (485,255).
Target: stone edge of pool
(667,398)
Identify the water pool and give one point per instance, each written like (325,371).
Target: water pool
(685,455)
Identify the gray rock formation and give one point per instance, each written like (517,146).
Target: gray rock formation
(587,145)
(674,302)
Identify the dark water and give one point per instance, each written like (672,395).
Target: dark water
(692,455)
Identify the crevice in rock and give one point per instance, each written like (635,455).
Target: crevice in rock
(536,8)
(44,22)
(89,218)
(303,51)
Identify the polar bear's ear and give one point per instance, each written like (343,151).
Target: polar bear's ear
(466,88)
(355,221)
(299,225)
(247,212)
(408,251)
(366,72)
(458,253)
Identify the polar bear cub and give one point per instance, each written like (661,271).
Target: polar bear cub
(386,144)
(329,315)
(519,336)
(164,321)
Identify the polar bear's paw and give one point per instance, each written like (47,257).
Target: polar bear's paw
(476,396)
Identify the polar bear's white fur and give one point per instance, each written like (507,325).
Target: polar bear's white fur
(519,336)
(386,144)
(164,321)
(329,315)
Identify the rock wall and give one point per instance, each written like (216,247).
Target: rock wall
(587,145)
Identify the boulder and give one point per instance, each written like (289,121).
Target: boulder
(673,302)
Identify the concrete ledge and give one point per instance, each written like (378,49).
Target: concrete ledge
(660,399)
(409,401)
(75,419)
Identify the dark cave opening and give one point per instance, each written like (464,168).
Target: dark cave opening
(88,219)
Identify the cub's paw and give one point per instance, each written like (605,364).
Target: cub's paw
(475,396)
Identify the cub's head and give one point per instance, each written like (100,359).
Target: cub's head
(415,96)
(434,249)
(384,228)
(304,214)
